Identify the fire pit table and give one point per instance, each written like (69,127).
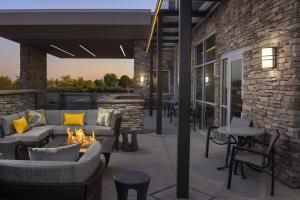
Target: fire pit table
(106,142)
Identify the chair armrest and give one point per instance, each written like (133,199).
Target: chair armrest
(236,149)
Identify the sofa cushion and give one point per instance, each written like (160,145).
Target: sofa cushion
(21,125)
(62,112)
(36,134)
(36,118)
(91,117)
(104,117)
(62,130)
(74,119)
(22,114)
(28,171)
(98,130)
(52,117)
(64,153)
(6,122)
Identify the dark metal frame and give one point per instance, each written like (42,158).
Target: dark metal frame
(184,99)
(270,161)
(151,83)
(91,189)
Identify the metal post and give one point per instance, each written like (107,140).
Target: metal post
(159,77)
(151,83)
(183,145)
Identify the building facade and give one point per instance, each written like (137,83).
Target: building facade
(229,79)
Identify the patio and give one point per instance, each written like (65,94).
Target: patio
(157,157)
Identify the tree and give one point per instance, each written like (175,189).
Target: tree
(110,80)
(100,84)
(5,83)
(125,82)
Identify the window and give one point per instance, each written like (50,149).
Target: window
(165,81)
(205,53)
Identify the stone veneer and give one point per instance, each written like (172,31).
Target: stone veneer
(271,97)
(142,66)
(33,71)
(132,110)
(17,101)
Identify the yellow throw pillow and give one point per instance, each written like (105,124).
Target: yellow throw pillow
(21,125)
(74,119)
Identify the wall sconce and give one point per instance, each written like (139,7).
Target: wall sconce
(268,57)
(142,79)
(206,79)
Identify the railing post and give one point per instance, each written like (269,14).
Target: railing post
(151,83)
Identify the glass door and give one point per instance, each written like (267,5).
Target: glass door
(231,87)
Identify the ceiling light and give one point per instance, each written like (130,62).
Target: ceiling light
(84,48)
(122,50)
(62,50)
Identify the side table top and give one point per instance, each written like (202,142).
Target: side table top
(8,140)
(132,177)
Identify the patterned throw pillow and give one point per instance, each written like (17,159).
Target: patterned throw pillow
(104,117)
(36,118)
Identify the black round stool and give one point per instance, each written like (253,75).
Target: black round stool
(136,180)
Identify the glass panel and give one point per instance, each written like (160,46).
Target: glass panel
(223,116)
(209,83)
(236,88)
(210,48)
(224,82)
(199,80)
(199,114)
(165,82)
(208,117)
(199,54)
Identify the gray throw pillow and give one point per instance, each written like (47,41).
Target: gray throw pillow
(65,153)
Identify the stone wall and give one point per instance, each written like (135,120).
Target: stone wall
(33,71)
(271,97)
(132,111)
(142,66)
(17,101)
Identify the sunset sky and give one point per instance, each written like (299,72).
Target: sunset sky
(88,68)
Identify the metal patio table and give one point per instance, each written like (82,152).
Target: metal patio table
(238,135)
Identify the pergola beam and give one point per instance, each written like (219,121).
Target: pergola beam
(174,13)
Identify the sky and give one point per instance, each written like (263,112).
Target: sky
(88,68)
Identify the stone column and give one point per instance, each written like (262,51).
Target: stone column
(141,68)
(33,72)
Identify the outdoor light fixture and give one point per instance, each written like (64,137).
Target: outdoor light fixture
(84,48)
(268,57)
(142,79)
(206,79)
(62,50)
(121,47)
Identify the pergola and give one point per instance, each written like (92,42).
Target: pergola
(172,27)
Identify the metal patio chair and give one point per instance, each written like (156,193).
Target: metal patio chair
(221,139)
(259,160)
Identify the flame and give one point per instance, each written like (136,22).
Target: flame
(79,137)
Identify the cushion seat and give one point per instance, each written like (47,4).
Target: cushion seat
(62,129)
(250,158)
(99,130)
(36,134)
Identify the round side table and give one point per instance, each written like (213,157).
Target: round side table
(135,180)
(133,144)
(8,147)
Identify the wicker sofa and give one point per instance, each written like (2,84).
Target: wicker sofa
(38,136)
(78,180)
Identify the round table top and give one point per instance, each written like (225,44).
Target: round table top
(8,140)
(241,131)
(132,177)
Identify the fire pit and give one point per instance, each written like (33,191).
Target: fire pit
(78,137)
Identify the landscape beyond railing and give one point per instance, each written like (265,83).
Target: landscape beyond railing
(77,101)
